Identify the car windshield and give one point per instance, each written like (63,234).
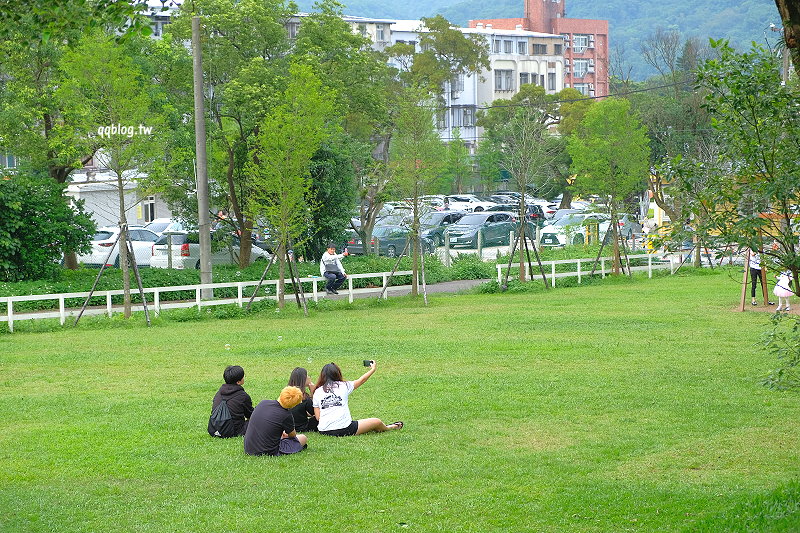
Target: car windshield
(157,226)
(383,231)
(102,235)
(569,220)
(472,219)
(432,219)
(177,238)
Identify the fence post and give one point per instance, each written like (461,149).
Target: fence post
(671,266)
(197,297)
(11,315)
(447,249)
(385,281)
(602,267)
(499,274)
(649,266)
(61,315)
(553,273)
(480,244)
(157,302)
(108,304)
(314,289)
(239,294)
(350,288)
(579,271)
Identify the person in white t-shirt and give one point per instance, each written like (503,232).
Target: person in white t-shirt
(331,409)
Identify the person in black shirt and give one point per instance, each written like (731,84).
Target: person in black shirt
(239,403)
(271,428)
(303,412)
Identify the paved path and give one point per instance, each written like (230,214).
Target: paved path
(403,290)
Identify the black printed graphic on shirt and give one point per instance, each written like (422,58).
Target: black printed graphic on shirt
(331,400)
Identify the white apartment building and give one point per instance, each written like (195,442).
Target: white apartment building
(517,57)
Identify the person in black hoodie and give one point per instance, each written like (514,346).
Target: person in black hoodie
(239,403)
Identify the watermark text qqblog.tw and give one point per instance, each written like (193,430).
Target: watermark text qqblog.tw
(119,129)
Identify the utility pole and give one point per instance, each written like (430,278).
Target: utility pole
(204,224)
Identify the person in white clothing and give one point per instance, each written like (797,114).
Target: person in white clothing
(331,407)
(783,290)
(330,267)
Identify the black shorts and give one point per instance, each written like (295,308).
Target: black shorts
(344,432)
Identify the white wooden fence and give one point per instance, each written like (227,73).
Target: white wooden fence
(155,304)
(583,266)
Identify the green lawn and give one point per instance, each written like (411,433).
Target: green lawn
(611,407)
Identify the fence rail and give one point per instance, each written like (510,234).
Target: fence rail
(156,304)
(654,262)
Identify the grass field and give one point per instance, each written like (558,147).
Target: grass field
(622,406)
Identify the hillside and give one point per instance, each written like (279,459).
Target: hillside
(630,21)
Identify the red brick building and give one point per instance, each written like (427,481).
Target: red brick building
(585,42)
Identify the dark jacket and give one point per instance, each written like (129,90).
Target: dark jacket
(239,404)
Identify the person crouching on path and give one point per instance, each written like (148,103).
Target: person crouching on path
(331,409)
(271,428)
(783,290)
(330,267)
(239,404)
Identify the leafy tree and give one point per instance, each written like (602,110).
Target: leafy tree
(444,52)
(458,167)
(289,136)
(527,152)
(751,191)
(245,46)
(37,226)
(418,157)
(48,20)
(610,156)
(332,191)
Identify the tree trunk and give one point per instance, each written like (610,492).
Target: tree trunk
(615,236)
(123,250)
(790,17)
(415,248)
(521,236)
(281,286)
(566,199)
(245,242)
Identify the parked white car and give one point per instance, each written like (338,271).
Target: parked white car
(106,237)
(466,202)
(571,229)
(186,251)
(164,225)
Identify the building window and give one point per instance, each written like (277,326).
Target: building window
(582,88)
(457,84)
(580,43)
(463,117)
(292,28)
(524,78)
(580,68)
(8,160)
(522,48)
(541,80)
(503,80)
(380,33)
(149,208)
(540,49)
(551,81)
(558,49)
(362,29)
(496,46)
(508,46)
(441,119)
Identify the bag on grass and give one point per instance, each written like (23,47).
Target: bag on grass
(220,424)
